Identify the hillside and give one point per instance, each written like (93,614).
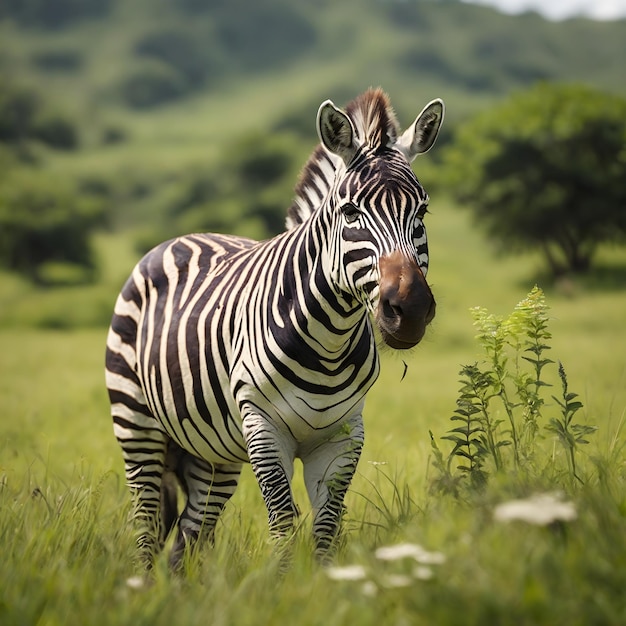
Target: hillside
(160,110)
(146,60)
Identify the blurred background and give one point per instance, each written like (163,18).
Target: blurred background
(126,123)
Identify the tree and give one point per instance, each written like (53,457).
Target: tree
(43,220)
(25,117)
(546,169)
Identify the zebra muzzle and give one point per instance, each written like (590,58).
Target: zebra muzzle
(406,304)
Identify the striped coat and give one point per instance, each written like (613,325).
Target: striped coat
(223,350)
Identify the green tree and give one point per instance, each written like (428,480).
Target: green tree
(44,221)
(546,170)
(25,116)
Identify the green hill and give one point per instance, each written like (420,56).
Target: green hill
(106,61)
(159,110)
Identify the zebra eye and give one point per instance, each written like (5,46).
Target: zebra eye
(350,212)
(421,212)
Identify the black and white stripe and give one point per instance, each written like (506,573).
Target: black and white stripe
(223,350)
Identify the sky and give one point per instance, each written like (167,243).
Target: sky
(562,9)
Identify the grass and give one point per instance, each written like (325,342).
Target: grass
(67,549)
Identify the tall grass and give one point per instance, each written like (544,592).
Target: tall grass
(67,559)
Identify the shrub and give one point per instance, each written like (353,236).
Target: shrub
(263,35)
(25,117)
(43,221)
(18,107)
(52,14)
(58,60)
(179,50)
(151,85)
(56,131)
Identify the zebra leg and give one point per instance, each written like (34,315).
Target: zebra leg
(143,442)
(271,455)
(143,449)
(208,487)
(328,471)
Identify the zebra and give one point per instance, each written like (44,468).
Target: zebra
(223,350)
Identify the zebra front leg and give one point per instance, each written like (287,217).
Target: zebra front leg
(271,453)
(328,471)
(208,488)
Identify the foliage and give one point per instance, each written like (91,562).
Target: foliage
(261,36)
(24,116)
(43,220)
(235,37)
(53,14)
(151,84)
(545,170)
(501,405)
(486,53)
(247,194)
(192,57)
(157,100)
(570,434)
(58,59)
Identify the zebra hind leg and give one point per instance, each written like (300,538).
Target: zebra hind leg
(138,433)
(328,471)
(144,457)
(208,488)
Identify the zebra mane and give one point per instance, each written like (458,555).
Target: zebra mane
(376,127)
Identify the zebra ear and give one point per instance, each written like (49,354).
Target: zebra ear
(336,131)
(421,135)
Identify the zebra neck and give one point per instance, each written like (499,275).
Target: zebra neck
(328,307)
(304,301)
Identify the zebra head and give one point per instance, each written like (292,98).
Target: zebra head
(376,208)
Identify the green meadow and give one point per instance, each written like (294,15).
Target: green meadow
(68,550)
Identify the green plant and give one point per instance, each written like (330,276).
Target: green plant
(570,435)
(500,409)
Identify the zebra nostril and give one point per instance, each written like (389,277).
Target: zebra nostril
(390,310)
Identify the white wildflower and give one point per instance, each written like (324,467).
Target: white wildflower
(399,551)
(135,582)
(396,580)
(348,572)
(540,509)
(422,572)
(431,558)
(369,589)
(378,462)
(410,550)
